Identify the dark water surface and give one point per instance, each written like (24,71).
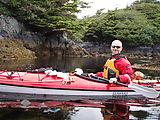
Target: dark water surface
(66,64)
(137,109)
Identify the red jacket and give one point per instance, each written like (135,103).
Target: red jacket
(124,68)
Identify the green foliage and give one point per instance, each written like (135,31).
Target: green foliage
(51,15)
(100,28)
(152,12)
(149,9)
(79,34)
(148,1)
(130,26)
(148,35)
(4,10)
(137,25)
(125,25)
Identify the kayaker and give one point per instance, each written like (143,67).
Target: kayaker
(117,67)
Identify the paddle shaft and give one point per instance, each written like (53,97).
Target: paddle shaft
(145,91)
(117,83)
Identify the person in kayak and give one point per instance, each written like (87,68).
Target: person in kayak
(117,67)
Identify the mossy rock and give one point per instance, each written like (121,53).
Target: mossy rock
(14,49)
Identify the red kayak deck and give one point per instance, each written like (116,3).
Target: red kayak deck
(46,81)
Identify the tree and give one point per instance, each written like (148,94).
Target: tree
(101,28)
(136,25)
(130,26)
(50,15)
(148,1)
(152,12)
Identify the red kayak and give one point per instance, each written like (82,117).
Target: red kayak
(27,85)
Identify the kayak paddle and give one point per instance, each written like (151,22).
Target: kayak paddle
(145,91)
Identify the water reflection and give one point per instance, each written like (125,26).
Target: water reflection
(116,110)
(16,64)
(65,64)
(80,110)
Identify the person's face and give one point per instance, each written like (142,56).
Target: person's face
(116,48)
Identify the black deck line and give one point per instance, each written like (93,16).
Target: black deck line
(92,79)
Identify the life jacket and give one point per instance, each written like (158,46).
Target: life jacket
(109,68)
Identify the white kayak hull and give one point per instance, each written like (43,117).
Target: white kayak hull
(22,92)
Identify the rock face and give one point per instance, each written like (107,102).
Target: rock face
(96,49)
(10,28)
(144,51)
(41,43)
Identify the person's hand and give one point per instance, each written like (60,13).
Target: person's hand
(112,80)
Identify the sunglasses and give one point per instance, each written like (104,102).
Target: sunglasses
(116,47)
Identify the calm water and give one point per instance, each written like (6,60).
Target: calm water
(148,109)
(65,64)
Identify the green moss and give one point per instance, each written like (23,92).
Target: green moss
(14,49)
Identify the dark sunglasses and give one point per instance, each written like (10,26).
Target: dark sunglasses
(116,47)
